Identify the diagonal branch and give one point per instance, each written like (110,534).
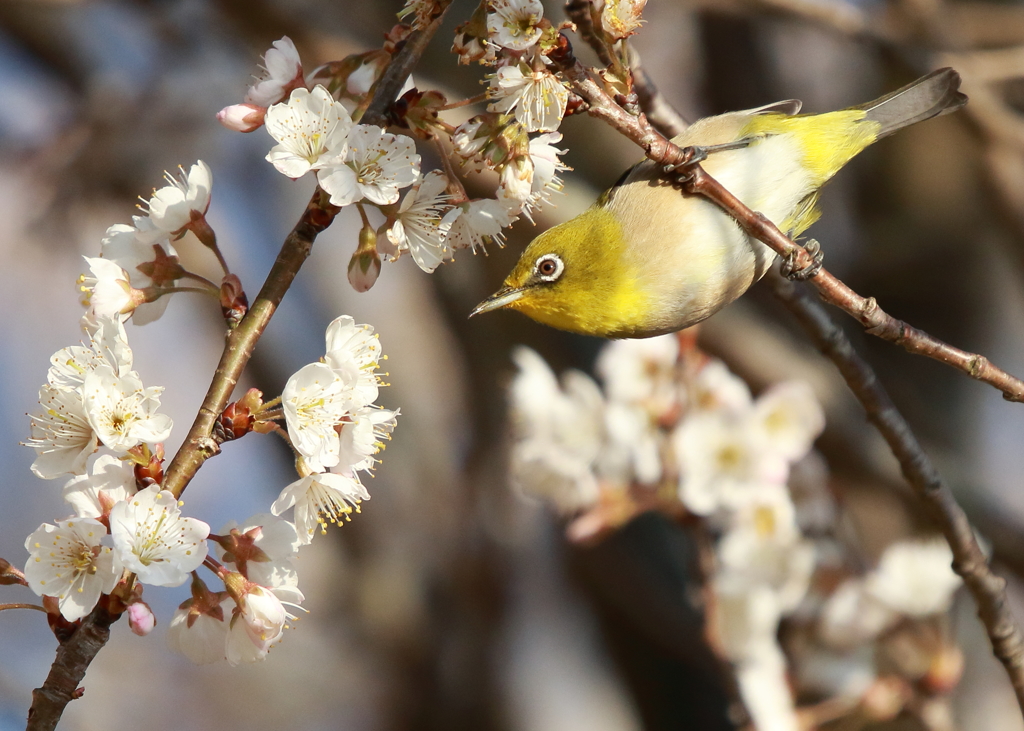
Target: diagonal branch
(832,290)
(75,655)
(988,589)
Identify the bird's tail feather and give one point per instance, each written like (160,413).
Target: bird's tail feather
(931,95)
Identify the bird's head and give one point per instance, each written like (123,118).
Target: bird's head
(574,276)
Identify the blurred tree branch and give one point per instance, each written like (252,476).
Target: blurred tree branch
(988,590)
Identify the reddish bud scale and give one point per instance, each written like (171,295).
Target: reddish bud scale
(575,105)
(233,303)
(395,38)
(151,473)
(235,421)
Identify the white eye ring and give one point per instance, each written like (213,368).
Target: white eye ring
(548,268)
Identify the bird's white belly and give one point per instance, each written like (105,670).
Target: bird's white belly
(709,261)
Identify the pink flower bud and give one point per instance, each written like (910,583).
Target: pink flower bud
(242,117)
(141,619)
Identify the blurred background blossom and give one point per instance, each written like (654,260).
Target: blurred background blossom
(451,602)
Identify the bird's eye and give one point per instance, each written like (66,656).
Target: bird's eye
(549,267)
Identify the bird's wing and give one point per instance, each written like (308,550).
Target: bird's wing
(789,107)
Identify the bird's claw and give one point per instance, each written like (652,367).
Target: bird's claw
(790,270)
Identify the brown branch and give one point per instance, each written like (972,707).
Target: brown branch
(659,112)
(75,655)
(199,444)
(864,309)
(67,671)
(988,589)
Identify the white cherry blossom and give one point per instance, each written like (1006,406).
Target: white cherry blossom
(420,227)
(915,578)
(515,24)
(315,400)
(110,480)
(559,431)
(377,165)
(282,71)
(122,411)
(68,561)
(198,632)
(622,18)
(263,550)
(258,624)
(61,434)
(641,372)
(311,129)
(363,437)
(353,352)
(185,199)
(108,345)
(536,96)
(320,499)
(153,540)
(474,223)
(716,388)
(789,418)
(723,463)
(107,290)
(139,249)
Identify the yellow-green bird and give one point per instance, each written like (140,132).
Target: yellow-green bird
(647,259)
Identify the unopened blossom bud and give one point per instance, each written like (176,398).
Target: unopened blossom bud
(364,266)
(10,575)
(417,110)
(233,303)
(352,76)
(471,136)
(945,670)
(141,619)
(242,117)
(517,179)
(258,608)
(471,38)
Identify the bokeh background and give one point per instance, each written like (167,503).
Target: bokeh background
(450,602)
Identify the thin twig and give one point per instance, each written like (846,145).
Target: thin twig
(864,309)
(988,589)
(75,655)
(659,112)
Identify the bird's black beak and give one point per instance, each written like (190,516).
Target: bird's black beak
(502,298)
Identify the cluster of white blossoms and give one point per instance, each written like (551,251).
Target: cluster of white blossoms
(138,265)
(101,428)
(335,427)
(125,524)
(675,429)
(314,120)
